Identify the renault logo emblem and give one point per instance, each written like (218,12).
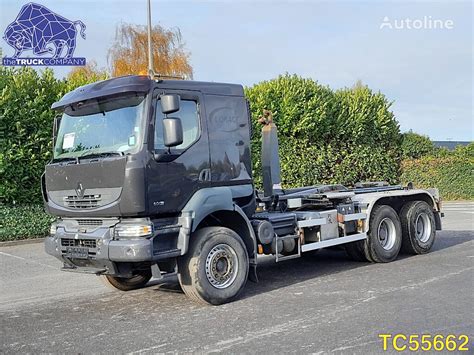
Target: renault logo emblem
(80,191)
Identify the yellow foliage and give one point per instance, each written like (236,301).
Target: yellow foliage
(128,55)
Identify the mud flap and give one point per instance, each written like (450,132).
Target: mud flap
(253,273)
(156,272)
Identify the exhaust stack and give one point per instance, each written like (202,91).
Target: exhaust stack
(270,159)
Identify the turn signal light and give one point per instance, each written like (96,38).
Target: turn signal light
(52,229)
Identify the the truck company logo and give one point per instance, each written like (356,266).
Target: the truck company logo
(51,37)
(80,191)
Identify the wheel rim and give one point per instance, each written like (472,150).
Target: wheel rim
(386,233)
(423,227)
(221,266)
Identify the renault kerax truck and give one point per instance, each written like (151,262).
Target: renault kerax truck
(152,177)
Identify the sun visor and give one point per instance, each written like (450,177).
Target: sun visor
(110,87)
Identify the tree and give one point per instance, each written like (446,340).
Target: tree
(82,75)
(128,54)
(415,145)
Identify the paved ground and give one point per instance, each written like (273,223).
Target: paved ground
(320,304)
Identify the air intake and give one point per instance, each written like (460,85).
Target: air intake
(87,201)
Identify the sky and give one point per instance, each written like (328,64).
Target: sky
(418,53)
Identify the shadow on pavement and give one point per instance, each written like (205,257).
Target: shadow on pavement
(448,238)
(278,275)
(325,262)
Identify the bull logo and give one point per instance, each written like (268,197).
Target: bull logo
(44,32)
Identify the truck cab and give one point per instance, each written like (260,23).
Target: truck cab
(153,177)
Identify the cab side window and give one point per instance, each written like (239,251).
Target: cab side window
(188,113)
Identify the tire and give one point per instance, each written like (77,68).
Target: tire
(418,227)
(216,266)
(355,251)
(139,280)
(385,235)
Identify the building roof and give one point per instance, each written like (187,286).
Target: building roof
(451,145)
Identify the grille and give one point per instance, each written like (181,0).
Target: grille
(86,243)
(89,222)
(88,201)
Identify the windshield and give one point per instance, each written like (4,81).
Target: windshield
(100,126)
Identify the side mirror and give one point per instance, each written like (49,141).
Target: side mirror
(56,123)
(172,131)
(169,103)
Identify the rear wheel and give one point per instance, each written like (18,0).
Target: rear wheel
(418,227)
(138,280)
(385,235)
(216,266)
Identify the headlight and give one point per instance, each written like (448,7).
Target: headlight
(133,230)
(52,229)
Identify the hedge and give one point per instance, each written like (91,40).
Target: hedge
(326,136)
(26,119)
(22,222)
(452,175)
(416,146)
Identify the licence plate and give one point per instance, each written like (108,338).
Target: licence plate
(77,253)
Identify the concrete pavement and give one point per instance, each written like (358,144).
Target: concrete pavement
(321,304)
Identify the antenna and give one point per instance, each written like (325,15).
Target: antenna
(151,71)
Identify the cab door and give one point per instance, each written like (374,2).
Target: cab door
(175,174)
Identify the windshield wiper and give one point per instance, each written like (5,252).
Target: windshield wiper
(60,160)
(100,155)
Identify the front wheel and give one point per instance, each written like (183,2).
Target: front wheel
(138,280)
(216,266)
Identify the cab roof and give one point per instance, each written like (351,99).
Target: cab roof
(143,83)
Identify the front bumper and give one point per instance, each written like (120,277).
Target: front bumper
(105,255)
